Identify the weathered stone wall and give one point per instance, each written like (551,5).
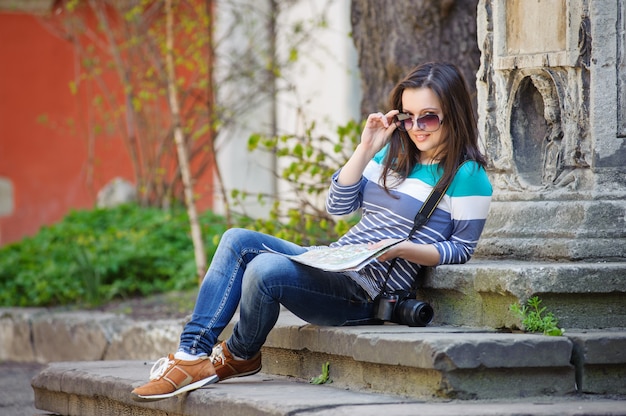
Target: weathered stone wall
(552,123)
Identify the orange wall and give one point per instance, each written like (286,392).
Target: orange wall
(46,163)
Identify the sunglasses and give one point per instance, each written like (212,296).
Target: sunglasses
(427,123)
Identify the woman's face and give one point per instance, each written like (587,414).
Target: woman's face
(418,102)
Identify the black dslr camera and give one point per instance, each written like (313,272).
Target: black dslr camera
(401,307)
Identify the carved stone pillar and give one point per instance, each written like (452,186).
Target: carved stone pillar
(552,117)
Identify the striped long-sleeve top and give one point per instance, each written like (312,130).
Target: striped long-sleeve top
(454,227)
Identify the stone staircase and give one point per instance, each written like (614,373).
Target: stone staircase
(470,353)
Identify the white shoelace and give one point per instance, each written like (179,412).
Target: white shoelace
(218,354)
(159,368)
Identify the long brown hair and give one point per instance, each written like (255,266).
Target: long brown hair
(460,135)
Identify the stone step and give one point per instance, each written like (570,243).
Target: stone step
(103,388)
(431,364)
(582,295)
(580,228)
(449,362)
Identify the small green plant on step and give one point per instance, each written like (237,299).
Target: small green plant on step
(324,377)
(536,318)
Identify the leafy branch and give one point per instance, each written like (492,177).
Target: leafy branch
(306,164)
(536,318)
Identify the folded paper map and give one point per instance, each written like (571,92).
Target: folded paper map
(342,258)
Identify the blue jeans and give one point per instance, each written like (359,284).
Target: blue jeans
(243,274)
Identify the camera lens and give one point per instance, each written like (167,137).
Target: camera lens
(413,312)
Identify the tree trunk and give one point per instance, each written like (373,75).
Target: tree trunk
(391,37)
(183,158)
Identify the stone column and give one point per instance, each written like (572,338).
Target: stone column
(552,117)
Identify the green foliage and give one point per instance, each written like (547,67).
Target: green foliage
(324,377)
(535,317)
(121,49)
(308,163)
(94,256)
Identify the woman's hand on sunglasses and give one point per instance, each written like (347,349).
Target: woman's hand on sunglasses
(377,130)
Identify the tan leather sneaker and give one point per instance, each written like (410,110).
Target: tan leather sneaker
(170,376)
(227,367)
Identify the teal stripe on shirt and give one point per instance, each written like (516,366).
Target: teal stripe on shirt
(473,177)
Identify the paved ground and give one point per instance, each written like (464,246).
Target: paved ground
(16,394)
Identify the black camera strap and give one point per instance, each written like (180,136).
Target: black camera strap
(421,218)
